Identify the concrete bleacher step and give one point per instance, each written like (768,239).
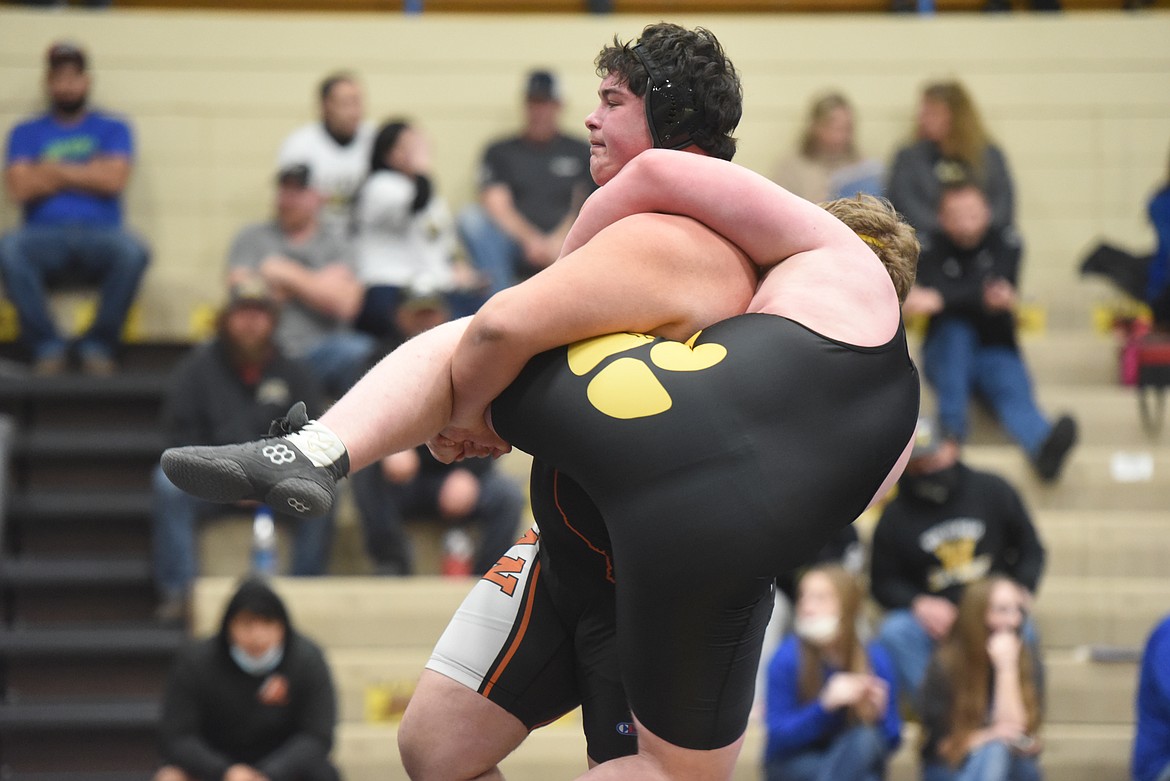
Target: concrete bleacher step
(1104,477)
(354,612)
(99,522)
(1105,414)
(1097,543)
(1061,356)
(1070,356)
(87,662)
(1082,691)
(1073,752)
(1072,611)
(376,684)
(369,752)
(1075,611)
(80,741)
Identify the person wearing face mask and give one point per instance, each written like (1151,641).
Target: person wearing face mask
(948,526)
(983,698)
(68,169)
(832,705)
(255,702)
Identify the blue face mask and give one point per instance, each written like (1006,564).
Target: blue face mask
(257,665)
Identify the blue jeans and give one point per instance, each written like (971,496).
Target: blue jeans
(957,367)
(34,258)
(174,516)
(385,506)
(857,754)
(340,359)
(993,761)
(910,648)
(493,252)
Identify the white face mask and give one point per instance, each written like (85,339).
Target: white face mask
(258,665)
(818,630)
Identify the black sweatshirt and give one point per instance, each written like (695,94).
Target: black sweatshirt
(924,548)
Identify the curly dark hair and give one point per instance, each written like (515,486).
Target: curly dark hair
(695,60)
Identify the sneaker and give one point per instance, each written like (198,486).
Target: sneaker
(1054,450)
(294,470)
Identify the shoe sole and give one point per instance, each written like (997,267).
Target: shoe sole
(217,479)
(1063,438)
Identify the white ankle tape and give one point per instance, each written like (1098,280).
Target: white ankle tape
(318,443)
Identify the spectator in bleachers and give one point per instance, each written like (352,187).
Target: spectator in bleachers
(948,526)
(951,146)
(227,390)
(832,704)
(336,148)
(1147,277)
(531,186)
(68,169)
(254,702)
(1158,278)
(464,496)
(827,164)
(311,272)
(404,240)
(845,550)
(983,698)
(967,275)
(1151,743)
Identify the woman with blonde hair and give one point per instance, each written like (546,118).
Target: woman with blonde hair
(952,146)
(827,164)
(982,699)
(832,706)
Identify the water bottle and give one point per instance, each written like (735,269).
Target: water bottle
(457,550)
(263,543)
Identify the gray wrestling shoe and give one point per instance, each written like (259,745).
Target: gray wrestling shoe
(294,470)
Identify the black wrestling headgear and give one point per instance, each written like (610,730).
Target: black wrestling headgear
(670,109)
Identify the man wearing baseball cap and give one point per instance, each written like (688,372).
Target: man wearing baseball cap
(67,169)
(225,389)
(531,186)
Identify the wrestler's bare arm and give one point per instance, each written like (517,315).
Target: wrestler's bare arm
(650,273)
(766,221)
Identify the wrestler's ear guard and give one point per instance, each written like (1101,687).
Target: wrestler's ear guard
(670,109)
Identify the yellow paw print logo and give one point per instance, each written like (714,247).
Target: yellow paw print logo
(627,388)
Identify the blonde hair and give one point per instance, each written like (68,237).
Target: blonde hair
(885,231)
(818,113)
(966,664)
(967,140)
(853,658)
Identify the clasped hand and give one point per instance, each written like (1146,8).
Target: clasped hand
(455,443)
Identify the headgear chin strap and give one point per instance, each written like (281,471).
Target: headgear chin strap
(670,109)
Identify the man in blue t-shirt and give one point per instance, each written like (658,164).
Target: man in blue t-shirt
(67,169)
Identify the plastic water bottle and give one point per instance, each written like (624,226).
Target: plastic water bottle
(263,542)
(457,550)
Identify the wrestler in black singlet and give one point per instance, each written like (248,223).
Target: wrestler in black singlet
(715,468)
